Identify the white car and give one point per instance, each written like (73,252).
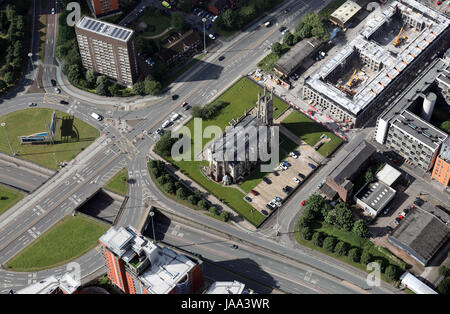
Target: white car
(282,167)
(174,117)
(293,155)
(296,180)
(166,124)
(212,36)
(53,10)
(57,90)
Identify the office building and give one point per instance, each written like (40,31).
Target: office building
(104,7)
(108,49)
(358,81)
(138,266)
(405,126)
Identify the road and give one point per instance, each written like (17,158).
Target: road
(21,178)
(81,179)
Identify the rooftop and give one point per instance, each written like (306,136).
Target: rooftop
(388,174)
(52,285)
(422,232)
(226,287)
(346,11)
(376,195)
(352,162)
(158,268)
(104,28)
(434,24)
(289,61)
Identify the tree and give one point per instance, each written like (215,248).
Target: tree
(366,257)
(443,270)
(213,210)
(202,205)
(156,172)
(185,5)
(181,194)
(139,88)
(341,248)
(288,39)
(151,87)
(3,85)
(360,228)
(277,48)
(18,47)
(177,21)
(225,215)
(247,13)
(330,218)
(169,187)
(161,180)
(368,176)
(329,243)
(74,73)
(114,90)
(344,216)
(306,233)
(354,254)
(164,146)
(102,89)
(91,77)
(192,199)
(382,264)
(317,238)
(9,78)
(446,126)
(102,79)
(444,286)
(392,272)
(228,19)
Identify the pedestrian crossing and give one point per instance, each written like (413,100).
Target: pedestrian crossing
(54,99)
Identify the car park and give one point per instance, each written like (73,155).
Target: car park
(247,198)
(293,155)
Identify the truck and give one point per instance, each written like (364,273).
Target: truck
(96,116)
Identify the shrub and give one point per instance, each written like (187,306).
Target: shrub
(382,264)
(181,194)
(317,239)
(213,210)
(169,187)
(392,272)
(329,243)
(192,199)
(156,172)
(443,270)
(341,248)
(161,180)
(366,257)
(225,215)
(306,233)
(444,286)
(354,254)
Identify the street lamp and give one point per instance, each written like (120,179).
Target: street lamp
(32,67)
(204,35)
(7,138)
(152,213)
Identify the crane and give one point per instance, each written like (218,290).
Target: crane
(353,79)
(399,38)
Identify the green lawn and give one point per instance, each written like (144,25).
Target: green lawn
(156,24)
(69,239)
(8,197)
(72,136)
(310,131)
(119,183)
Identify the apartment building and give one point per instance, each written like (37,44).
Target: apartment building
(108,49)
(138,266)
(103,7)
(441,170)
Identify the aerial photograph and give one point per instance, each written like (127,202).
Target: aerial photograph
(254,148)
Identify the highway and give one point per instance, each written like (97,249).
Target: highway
(83,177)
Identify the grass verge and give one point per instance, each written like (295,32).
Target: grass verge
(8,197)
(42,36)
(72,136)
(119,183)
(69,239)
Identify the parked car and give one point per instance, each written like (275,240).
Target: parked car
(208,26)
(269,207)
(247,198)
(400,217)
(303,203)
(301,175)
(286,163)
(160,131)
(283,167)
(276,198)
(175,117)
(397,220)
(273,204)
(254,192)
(63,102)
(53,10)
(282,28)
(386,211)
(212,36)
(293,155)
(276,174)
(166,124)
(311,166)
(221,58)
(267,180)
(33,104)
(418,201)
(296,180)
(53,82)
(287,189)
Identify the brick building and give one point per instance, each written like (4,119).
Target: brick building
(103,7)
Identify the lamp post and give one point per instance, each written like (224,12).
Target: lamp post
(7,138)
(152,213)
(204,35)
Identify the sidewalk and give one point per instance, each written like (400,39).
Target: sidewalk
(206,194)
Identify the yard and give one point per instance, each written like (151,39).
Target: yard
(119,183)
(8,197)
(156,23)
(72,136)
(67,240)
(310,131)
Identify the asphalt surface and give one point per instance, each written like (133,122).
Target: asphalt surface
(21,178)
(81,179)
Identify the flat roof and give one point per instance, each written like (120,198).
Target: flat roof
(297,54)
(415,285)
(104,28)
(421,232)
(51,284)
(346,11)
(435,24)
(376,195)
(352,162)
(388,174)
(399,115)
(226,287)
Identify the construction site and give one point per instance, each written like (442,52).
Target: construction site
(355,83)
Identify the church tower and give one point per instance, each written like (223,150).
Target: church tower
(265,107)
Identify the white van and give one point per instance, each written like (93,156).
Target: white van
(96,116)
(174,117)
(166,124)
(267,24)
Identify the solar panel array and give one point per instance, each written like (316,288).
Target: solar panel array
(100,27)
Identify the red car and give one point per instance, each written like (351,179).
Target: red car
(254,192)
(303,202)
(400,217)
(183,104)
(438,2)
